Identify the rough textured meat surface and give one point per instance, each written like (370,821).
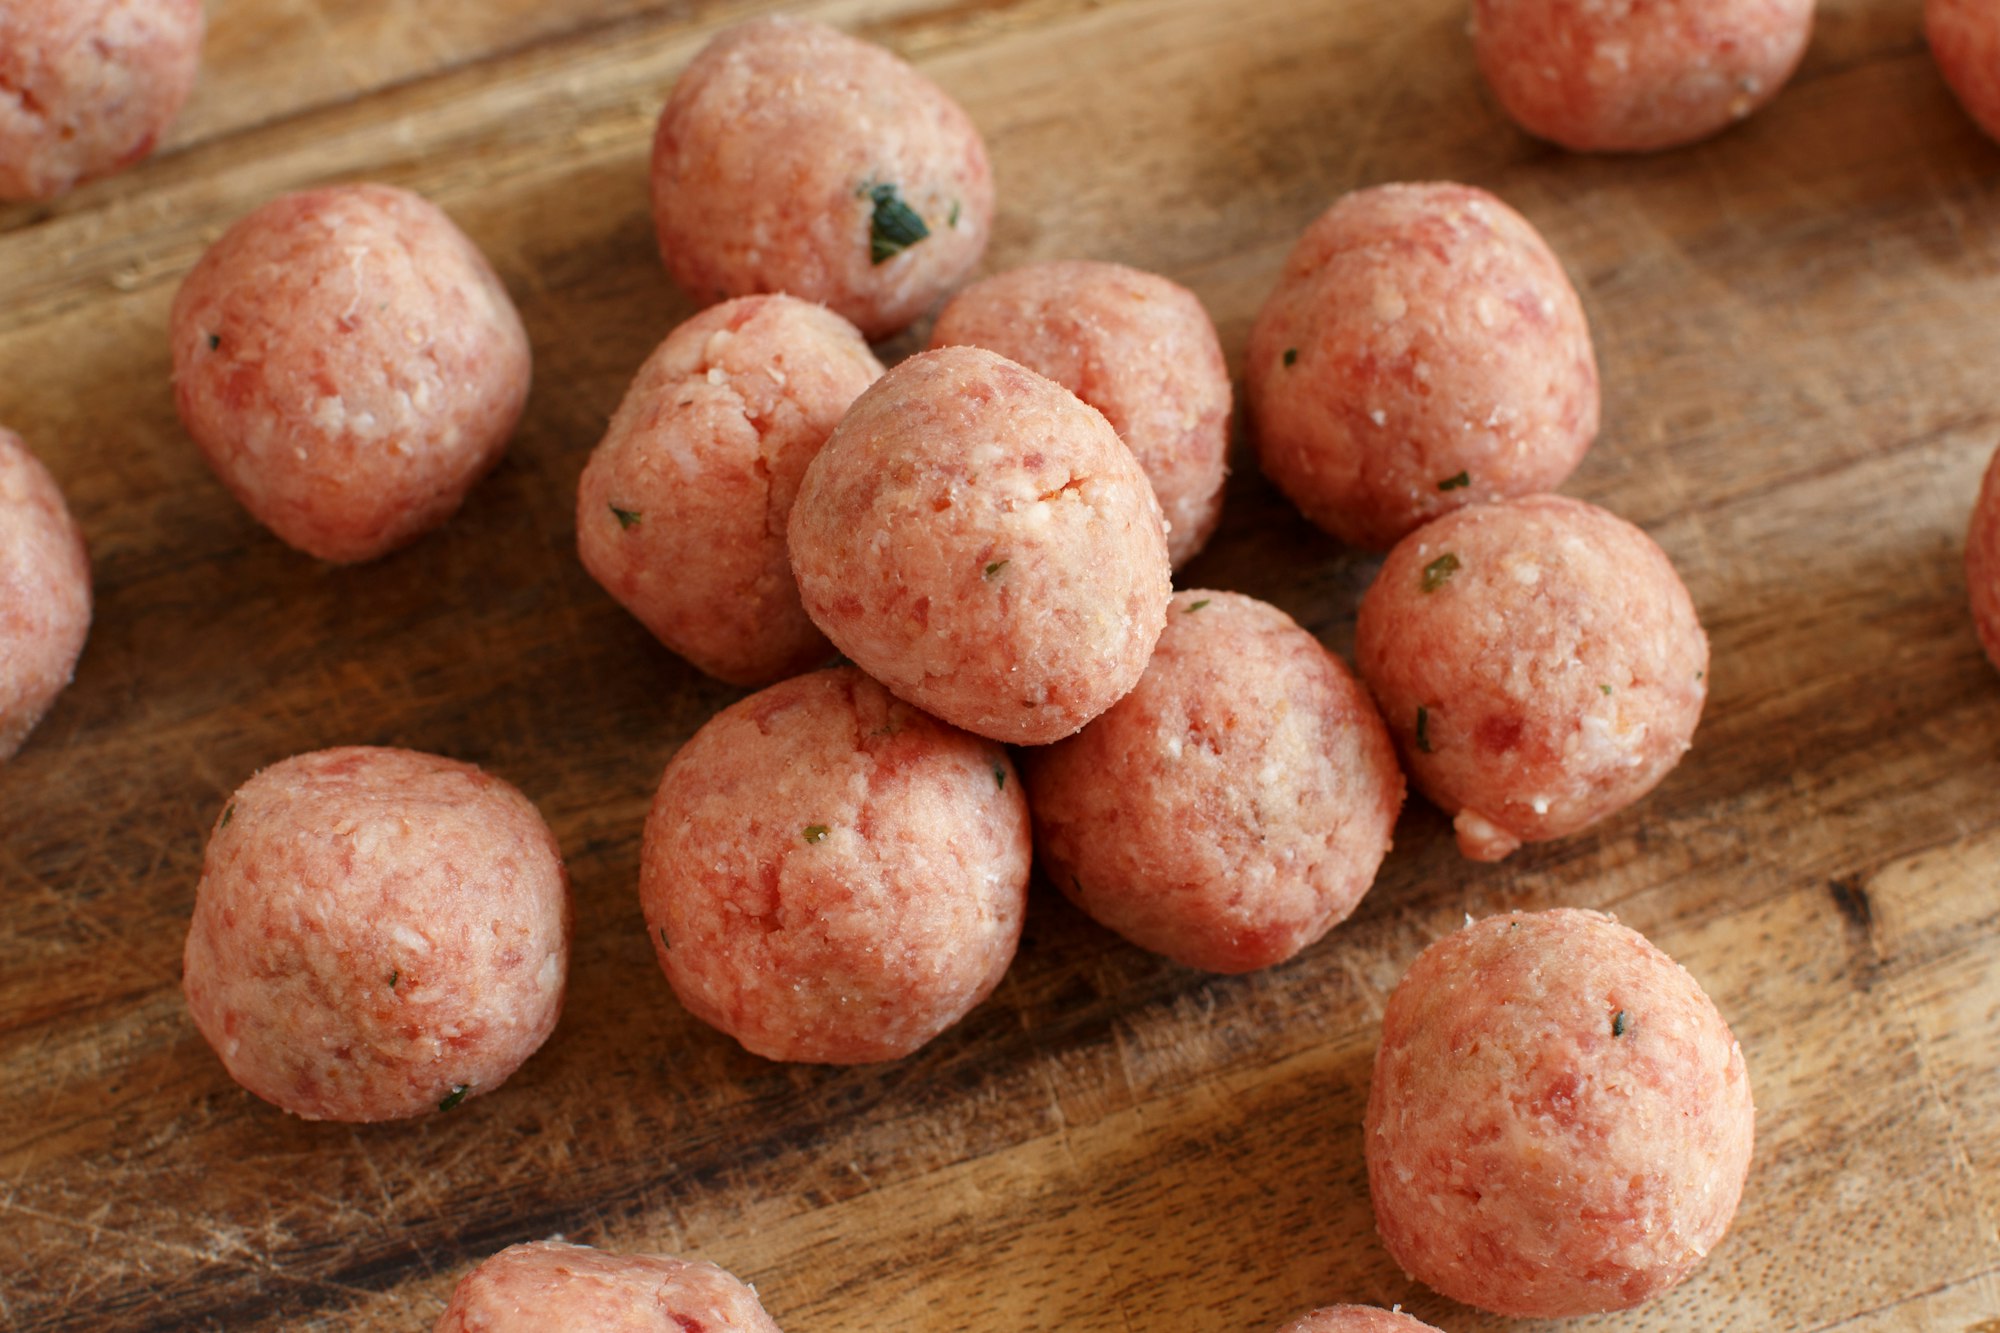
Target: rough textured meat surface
(682,509)
(1538,662)
(1965,40)
(793,158)
(1423,350)
(44,592)
(547,1285)
(830,875)
(1235,806)
(1356,1319)
(1637,75)
(87,87)
(1560,1121)
(350,366)
(1982,561)
(377,934)
(1136,347)
(979,540)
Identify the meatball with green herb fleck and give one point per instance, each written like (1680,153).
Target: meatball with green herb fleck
(1235,806)
(681,511)
(1559,1123)
(793,158)
(1539,663)
(979,540)
(377,934)
(1423,350)
(548,1285)
(830,875)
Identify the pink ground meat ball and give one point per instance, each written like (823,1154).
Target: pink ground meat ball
(1235,806)
(1356,1319)
(830,875)
(1136,347)
(1982,561)
(681,512)
(1423,350)
(793,158)
(1965,41)
(87,87)
(1636,75)
(1538,662)
(1560,1121)
(377,934)
(349,365)
(549,1285)
(980,541)
(44,592)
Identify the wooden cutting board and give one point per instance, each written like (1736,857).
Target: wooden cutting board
(1799,326)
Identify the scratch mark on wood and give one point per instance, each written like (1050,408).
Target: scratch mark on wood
(1850,895)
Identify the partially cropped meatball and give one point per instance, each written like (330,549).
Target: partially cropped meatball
(793,158)
(350,365)
(830,875)
(1235,806)
(1982,561)
(1136,347)
(1423,350)
(1560,1121)
(1965,41)
(1539,663)
(87,87)
(682,509)
(1637,75)
(377,934)
(547,1285)
(1356,1319)
(44,592)
(980,541)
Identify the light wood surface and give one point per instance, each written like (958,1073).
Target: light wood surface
(1799,325)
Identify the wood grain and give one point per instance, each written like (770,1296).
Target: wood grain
(1797,324)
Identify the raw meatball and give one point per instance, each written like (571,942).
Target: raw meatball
(1965,41)
(350,366)
(548,1285)
(377,934)
(87,87)
(1356,1319)
(830,875)
(1136,347)
(1539,664)
(681,512)
(977,539)
(1233,807)
(1982,561)
(44,592)
(1560,1121)
(793,158)
(1423,350)
(1636,75)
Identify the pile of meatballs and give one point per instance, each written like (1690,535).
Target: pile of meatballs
(982,539)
